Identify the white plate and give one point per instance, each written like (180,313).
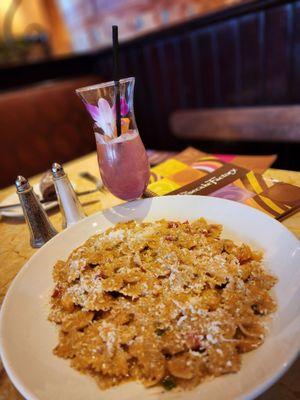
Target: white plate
(27,338)
(17,212)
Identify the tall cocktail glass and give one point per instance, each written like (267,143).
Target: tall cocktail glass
(123,160)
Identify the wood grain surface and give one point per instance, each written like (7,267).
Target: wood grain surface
(15,250)
(258,124)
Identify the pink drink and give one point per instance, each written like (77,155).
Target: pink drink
(123,161)
(123,164)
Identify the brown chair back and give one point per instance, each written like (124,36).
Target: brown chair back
(258,124)
(42,124)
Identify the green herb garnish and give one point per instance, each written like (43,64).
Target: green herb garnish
(256,309)
(168,383)
(160,331)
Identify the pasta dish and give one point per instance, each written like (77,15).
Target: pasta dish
(168,303)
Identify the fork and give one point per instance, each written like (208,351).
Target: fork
(88,176)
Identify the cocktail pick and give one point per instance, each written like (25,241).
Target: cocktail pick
(116,76)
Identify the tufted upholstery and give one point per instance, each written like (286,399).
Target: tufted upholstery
(41,124)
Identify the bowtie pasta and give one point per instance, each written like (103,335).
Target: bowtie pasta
(162,302)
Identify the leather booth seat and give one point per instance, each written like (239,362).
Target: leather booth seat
(41,124)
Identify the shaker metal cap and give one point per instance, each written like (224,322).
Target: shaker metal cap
(21,183)
(57,170)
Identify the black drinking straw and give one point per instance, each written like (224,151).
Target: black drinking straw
(116,76)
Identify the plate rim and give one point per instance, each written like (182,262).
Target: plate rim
(250,394)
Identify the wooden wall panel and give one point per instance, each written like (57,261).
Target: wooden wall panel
(295,55)
(250,62)
(229,63)
(278,42)
(205,68)
(189,72)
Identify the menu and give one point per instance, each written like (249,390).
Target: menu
(196,173)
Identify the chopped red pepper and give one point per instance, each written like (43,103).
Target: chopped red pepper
(193,341)
(173,224)
(57,292)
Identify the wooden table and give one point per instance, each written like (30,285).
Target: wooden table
(15,251)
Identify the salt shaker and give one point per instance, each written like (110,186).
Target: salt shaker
(40,228)
(69,204)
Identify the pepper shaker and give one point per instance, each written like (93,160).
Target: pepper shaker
(40,228)
(70,207)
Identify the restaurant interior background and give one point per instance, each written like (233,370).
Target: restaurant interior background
(204,55)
